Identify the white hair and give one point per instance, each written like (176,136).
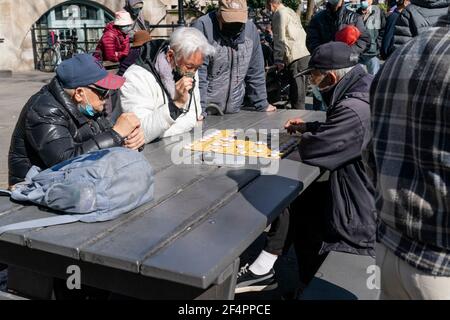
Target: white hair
(340,73)
(186,41)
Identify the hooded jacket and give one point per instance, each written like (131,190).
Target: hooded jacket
(337,146)
(419,16)
(51,129)
(236,70)
(114,45)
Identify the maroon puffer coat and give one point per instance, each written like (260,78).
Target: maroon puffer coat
(113,46)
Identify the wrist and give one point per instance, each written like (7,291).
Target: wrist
(302,127)
(179,104)
(118,138)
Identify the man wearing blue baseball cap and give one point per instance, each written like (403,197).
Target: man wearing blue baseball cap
(67,118)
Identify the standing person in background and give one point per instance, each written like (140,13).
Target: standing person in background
(114,45)
(387,44)
(237,69)
(411,144)
(134,8)
(290,49)
(374,21)
(417,18)
(324,25)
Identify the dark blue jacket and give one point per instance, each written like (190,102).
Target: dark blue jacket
(324,25)
(129,60)
(337,146)
(387,45)
(417,18)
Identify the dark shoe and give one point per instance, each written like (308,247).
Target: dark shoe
(247,281)
(3,280)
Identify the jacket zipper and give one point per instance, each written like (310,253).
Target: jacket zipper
(231,80)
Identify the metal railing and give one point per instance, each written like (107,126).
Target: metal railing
(68,40)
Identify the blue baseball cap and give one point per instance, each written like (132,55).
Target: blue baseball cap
(84,70)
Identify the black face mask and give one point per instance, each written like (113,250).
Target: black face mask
(232,30)
(135,12)
(178,74)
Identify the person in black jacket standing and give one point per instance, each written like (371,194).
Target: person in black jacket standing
(66,119)
(324,25)
(417,18)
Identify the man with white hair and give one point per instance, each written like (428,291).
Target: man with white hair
(162,87)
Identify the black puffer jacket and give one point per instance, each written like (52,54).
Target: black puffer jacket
(417,18)
(51,129)
(324,25)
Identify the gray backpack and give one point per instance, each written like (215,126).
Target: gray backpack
(94,187)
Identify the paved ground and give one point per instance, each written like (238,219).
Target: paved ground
(15,92)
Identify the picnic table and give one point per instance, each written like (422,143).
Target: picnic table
(183,245)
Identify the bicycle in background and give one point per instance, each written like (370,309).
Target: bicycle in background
(59,50)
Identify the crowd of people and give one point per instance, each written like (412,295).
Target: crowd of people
(382,78)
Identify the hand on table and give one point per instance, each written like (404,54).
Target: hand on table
(135,140)
(295,125)
(126,124)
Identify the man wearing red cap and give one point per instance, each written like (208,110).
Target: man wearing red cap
(66,119)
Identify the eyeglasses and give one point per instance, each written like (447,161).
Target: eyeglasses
(101,92)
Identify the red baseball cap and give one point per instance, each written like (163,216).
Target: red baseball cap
(349,35)
(111,82)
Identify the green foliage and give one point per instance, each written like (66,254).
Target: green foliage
(256,4)
(211,6)
(384,7)
(293,4)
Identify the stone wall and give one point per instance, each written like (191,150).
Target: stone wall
(18,16)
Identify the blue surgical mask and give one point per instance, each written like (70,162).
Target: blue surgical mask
(364,5)
(88,109)
(135,11)
(316,93)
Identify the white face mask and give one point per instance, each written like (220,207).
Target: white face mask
(126,29)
